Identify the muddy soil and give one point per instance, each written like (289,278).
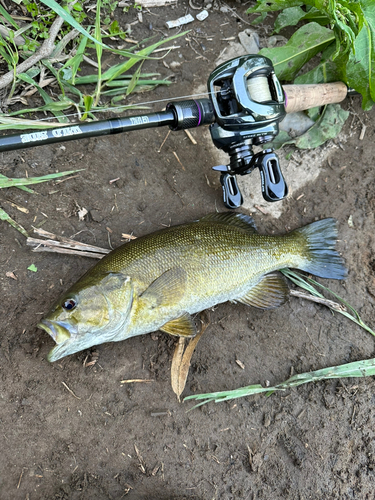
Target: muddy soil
(71,429)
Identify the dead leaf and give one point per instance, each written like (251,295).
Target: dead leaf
(10,274)
(176,364)
(181,360)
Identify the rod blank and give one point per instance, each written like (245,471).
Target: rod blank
(84,130)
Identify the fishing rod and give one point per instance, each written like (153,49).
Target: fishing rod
(245,106)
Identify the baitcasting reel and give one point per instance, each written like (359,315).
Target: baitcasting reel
(249,103)
(245,107)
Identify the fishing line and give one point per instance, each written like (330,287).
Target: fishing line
(131,105)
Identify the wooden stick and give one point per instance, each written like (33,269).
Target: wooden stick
(319,300)
(60,244)
(57,247)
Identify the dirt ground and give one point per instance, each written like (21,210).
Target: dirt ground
(70,431)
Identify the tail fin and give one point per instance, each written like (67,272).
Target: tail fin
(321,258)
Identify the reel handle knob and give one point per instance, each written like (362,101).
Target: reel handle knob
(274,187)
(232,196)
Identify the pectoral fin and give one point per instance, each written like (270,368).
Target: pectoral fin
(181,327)
(272,291)
(166,290)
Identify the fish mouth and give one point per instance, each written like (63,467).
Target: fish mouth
(58,331)
(61,334)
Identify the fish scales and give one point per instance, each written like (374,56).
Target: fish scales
(157,281)
(219,252)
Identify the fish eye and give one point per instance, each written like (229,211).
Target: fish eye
(69,304)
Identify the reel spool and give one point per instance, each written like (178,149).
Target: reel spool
(258,89)
(249,103)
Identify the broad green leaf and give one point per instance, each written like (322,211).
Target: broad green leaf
(289,17)
(273,5)
(361,64)
(327,70)
(328,126)
(260,19)
(33,268)
(314,113)
(306,42)
(293,15)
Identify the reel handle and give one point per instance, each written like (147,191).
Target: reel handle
(301,97)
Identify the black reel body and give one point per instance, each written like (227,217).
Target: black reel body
(248,103)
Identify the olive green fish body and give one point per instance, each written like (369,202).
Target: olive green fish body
(158,281)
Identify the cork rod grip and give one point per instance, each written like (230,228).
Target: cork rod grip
(300,97)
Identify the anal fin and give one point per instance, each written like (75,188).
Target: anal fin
(272,291)
(182,326)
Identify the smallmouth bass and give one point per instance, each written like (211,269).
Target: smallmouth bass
(157,281)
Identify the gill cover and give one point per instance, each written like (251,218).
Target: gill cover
(100,315)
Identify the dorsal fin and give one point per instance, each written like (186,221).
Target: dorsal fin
(232,219)
(271,291)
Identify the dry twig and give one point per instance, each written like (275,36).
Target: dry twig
(319,300)
(45,51)
(70,390)
(60,244)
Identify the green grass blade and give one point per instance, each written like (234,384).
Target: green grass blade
(53,106)
(8,122)
(8,17)
(60,11)
(76,60)
(363,368)
(123,83)
(99,52)
(88,79)
(122,68)
(63,83)
(7,218)
(25,181)
(134,81)
(309,285)
(23,188)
